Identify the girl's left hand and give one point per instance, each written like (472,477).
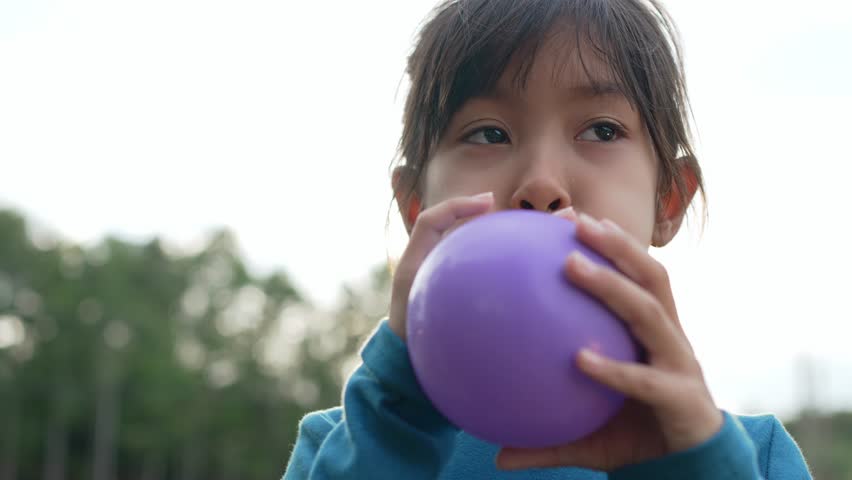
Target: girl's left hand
(669,407)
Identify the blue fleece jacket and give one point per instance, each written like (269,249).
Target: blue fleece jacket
(388,429)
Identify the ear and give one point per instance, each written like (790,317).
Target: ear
(670,218)
(402,182)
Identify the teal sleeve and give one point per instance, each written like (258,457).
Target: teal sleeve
(729,455)
(388,428)
(786,461)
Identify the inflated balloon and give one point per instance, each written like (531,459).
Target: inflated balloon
(494,326)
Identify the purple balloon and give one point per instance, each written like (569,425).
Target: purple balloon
(494,326)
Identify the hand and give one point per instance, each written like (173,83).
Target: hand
(669,407)
(430,227)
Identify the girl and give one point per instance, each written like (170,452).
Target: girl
(579,108)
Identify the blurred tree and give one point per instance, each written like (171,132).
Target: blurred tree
(135,361)
(826,440)
(331,348)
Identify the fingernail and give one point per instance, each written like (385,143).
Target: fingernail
(590,223)
(566,212)
(483,196)
(590,357)
(583,263)
(611,225)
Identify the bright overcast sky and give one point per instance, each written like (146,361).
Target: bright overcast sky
(279,119)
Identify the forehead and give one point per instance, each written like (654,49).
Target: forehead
(563,59)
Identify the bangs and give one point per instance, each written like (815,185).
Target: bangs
(515,45)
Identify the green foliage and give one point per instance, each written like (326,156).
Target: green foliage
(143,362)
(826,440)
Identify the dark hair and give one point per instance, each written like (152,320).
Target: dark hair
(466,45)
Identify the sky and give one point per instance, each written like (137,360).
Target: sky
(279,121)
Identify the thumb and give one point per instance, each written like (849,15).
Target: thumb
(522,458)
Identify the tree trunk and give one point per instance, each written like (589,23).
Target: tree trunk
(189,461)
(56,449)
(229,463)
(106,423)
(152,468)
(9,452)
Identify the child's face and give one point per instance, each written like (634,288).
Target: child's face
(553,145)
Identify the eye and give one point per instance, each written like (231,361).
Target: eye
(487,136)
(602,132)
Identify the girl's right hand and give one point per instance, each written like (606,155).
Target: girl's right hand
(430,227)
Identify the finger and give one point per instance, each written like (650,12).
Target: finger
(684,401)
(461,221)
(589,451)
(640,310)
(647,384)
(522,458)
(434,222)
(630,257)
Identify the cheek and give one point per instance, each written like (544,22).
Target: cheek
(447,178)
(639,187)
(626,198)
(642,216)
(436,184)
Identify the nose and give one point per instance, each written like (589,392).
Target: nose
(541,193)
